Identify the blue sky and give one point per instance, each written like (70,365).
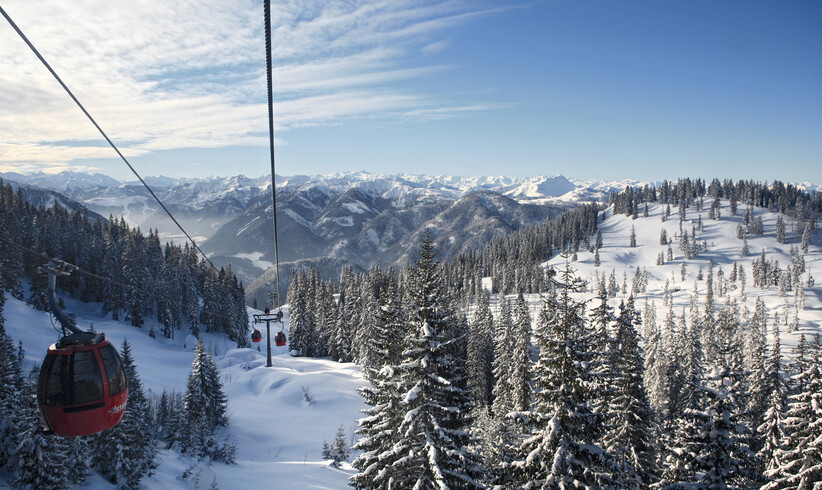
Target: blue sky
(588,89)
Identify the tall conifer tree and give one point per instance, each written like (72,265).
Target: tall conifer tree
(433,444)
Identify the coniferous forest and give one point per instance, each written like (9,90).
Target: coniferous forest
(133,276)
(469,386)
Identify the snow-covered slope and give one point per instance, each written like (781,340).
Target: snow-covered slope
(279,434)
(723,248)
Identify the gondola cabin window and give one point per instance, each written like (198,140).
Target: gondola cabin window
(74,379)
(114,372)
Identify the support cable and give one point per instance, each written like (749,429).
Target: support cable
(60,81)
(75,268)
(268,65)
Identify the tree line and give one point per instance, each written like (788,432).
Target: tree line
(132,274)
(123,454)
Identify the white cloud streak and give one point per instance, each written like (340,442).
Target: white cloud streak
(166,75)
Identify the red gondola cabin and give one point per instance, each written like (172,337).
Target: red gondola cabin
(279,339)
(83,386)
(256,336)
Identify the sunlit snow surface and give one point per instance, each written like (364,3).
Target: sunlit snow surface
(279,435)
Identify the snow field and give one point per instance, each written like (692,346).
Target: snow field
(723,248)
(279,435)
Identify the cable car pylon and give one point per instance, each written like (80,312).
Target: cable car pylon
(269,317)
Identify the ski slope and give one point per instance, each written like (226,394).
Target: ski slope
(279,435)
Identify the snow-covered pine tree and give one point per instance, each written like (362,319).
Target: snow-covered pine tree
(656,371)
(481,352)
(433,447)
(503,350)
(629,427)
(337,451)
(753,340)
(11,259)
(371,288)
(496,438)
(678,458)
(562,450)
(377,429)
(136,275)
(38,290)
(800,459)
(204,408)
(299,325)
(126,453)
(601,320)
(339,346)
(190,291)
(806,238)
(720,448)
(520,372)
(772,429)
(780,230)
(10,393)
(40,461)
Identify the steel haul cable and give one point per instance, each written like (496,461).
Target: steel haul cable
(65,87)
(268,65)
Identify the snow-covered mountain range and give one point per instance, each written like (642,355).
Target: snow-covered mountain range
(358,219)
(330,221)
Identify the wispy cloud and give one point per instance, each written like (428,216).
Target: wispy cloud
(166,75)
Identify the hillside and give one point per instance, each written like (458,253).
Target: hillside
(723,248)
(348,219)
(279,434)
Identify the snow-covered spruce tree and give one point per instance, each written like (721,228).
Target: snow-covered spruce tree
(40,461)
(337,451)
(752,338)
(10,393)
(601,320)
(135,274)
(521,378)
(800,458)
(656,379)
(496,439)
(780,230)
(204,409)
(718,451)
(433,445)
(126,453)
(38,290)
(680,432)
(481,352)
(339,346)
(299,322)
(772,430)
(11,259)
(562,450)
(371,288)
(629,427)
(503,351)
(377,429)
